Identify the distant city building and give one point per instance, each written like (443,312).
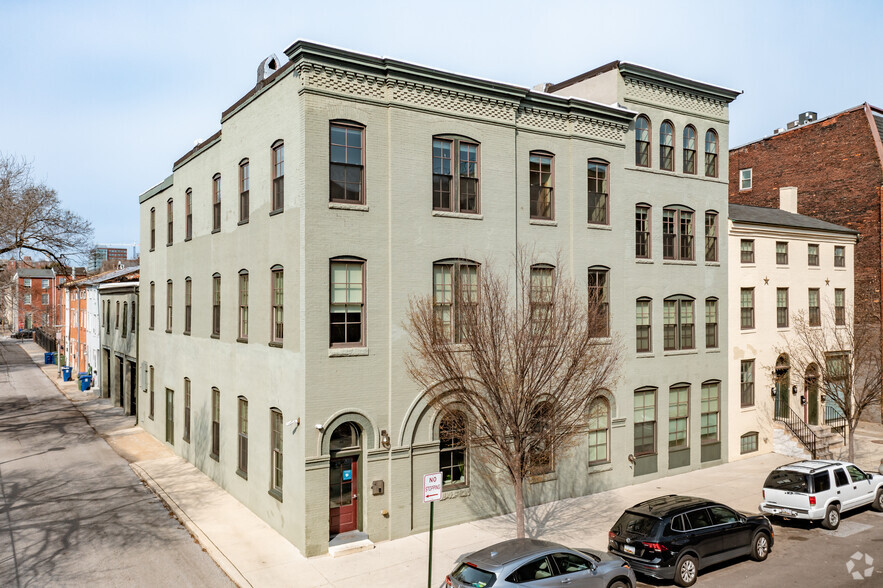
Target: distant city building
(112,253)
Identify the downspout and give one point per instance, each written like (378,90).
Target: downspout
(137,346)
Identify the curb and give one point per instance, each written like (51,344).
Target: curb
(201,538)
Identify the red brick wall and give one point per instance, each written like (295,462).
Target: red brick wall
(36,307)
(838,175)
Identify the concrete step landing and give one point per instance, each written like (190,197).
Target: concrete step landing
(349,543)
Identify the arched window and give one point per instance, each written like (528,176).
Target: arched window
(188,302)
(711,323)
(540,457)
(452,449)
(278,175)
(170,218)
(748,443)
(643,325)
(455,174)
(125,319)
(216,305)
(710,411)
(542,185)
(454,292)
(642,231)
(152,229)
(276,452)
(689,150)
(188,214)
(542,281)
(645,421)
(677,233)
(242,436)
(599,431)
(782,381)
(666,146)
(277,328)
(711,150)
(347,162)
(216,425)
(345,437)
(152,304)
(216,203)
(598,192)
(678,416)
(678,323)
(169,299)
(711,231)
(599,300)
(244,182)
(243,305)
(642,141)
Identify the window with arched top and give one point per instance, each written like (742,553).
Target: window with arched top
(278,149)
(276,453)
(542,281)
(642,141)
(243,306)
(677,233)
(216,203)
(642,230)
(452,457)
(748,442)
(666,146)
(599,300)
(541,457)
(542,185)
(598,177)
(643,325)
(152,305)
(188,214)
(276,283)
(216,305)
(711,151)
(689,144)
(678,323)
(711,323)
(599,431)
(645,421)
(345,437)
(710,411)
(454,294)
(169,222)
(455,174)
(215,452)
(244,184)
(188,304)
(152,229)
(242,436)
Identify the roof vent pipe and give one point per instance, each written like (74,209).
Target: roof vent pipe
(267,67)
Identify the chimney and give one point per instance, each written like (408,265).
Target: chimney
(788,199)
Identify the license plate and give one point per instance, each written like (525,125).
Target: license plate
(629,549)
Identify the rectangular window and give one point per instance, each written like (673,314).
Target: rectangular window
(170,416)
(541,186)
(839,256)
(812,254)
(677,234)
(599,297)
(242,464)
(169,307)
(44,299)
(711,322)
(815,315)
(678,413)
(216,305)
(746,303)
(710,236)
(134,318)
(839,307)
(598,193)
(244,191)
(243,306)
(347,164)
(152,304)
(454,287)
(645,422)
(188,214)
(170,216)
(678,324)
(746,251)
(216,203)
(642,232)
(27,299)
(188,297)
(541,284)
(745,179)
(152,231)
(454,181)
(710,412)
(276,456)
(642,325)
(746,379)
(278,324)
(748,444)
(26,282)
(216,424)
(781,307)
(781,253)
(150,395)
(347,303)
(278,177)
(45,284)
(126,319)
(116,322)
(187,410)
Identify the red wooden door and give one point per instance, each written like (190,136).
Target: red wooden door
(343,498)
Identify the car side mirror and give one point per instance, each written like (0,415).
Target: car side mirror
(742,520)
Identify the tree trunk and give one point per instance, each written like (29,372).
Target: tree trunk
(519,508)
(851,443)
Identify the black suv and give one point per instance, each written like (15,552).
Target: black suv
(673,537)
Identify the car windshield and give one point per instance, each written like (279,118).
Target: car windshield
(786,480)
(472,576)
(632,523)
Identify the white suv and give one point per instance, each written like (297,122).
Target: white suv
(819,490)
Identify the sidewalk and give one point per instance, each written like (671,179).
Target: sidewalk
(253,554)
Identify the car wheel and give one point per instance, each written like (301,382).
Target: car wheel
(760,547)
(832,517)
(686,571)
(878,501)
(619,584)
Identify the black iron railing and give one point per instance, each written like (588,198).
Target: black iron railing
(797,425)
(45,340)
(835,419)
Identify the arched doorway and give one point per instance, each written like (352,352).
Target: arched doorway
(783,387)
(343,479)
(812,394)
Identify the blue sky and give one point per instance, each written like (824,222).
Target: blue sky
(102,97)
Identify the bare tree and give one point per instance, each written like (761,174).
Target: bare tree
(32,218)
(521,362)
(845,356)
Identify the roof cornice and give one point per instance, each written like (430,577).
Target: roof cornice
(685,84)
(162,186)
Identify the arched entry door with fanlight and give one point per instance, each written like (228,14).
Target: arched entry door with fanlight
(783,387)
(343,476)
(812,394)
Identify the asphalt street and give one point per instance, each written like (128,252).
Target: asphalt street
(72,512)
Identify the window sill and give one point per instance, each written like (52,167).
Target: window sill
(748,264)
(346,206)
(544,222)
(347,351)
(539,479)
(276,344)
(747,330)
(643,260)
(169,244)
(680,352)
(782,329)
(452,214)
(188,239)
(148,328)
(242,339)
(749,408)
(456,493)
(275,212)
(275,494)
(712,264)
(168,331)
(645,355)
(214,456)
(713,350)
(241,474)
(679,262)
(218,230)
(839,269)
(242,222)
(216,336)
(150,416)
(186,333)
(151,249)
(598,227)
(186,440)
(813,267)
(599,468)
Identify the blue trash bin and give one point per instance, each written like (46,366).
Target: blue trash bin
(85,381)
(47,358)
(66,373)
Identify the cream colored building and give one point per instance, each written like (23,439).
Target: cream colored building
(279,257)
(780,263)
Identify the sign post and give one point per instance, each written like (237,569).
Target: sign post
(432,489)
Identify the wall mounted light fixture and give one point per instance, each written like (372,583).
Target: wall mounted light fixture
(384,439)
(773,391)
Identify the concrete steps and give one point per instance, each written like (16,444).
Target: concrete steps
(829,444)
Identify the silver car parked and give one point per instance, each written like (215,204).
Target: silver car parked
(537,563)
